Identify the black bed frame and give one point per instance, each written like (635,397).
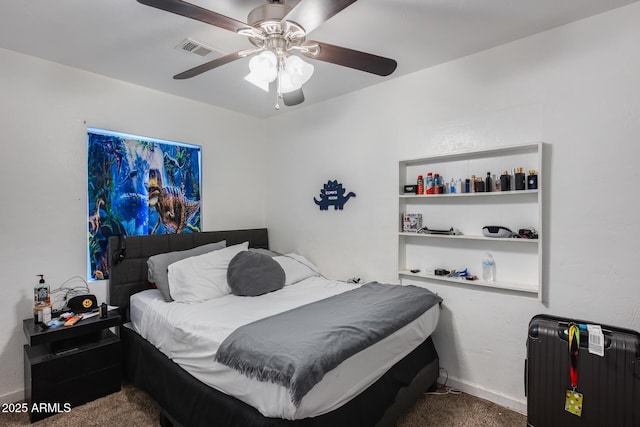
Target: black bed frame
(185,401)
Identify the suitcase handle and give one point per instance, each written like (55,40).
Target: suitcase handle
(563,333)
(562,330)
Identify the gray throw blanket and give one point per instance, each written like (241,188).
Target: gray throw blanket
(296,348)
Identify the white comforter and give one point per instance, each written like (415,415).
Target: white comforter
(190,335)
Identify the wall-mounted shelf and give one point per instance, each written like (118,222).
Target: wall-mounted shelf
(520,287)
(466,237)
(518,261)
(491,194)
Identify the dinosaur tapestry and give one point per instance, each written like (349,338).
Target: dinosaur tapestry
(136,186)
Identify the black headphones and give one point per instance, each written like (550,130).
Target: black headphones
(121,253)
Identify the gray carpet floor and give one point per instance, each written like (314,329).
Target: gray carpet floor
(132,407)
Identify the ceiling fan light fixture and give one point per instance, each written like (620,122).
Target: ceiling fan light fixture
(263,69)
(264,66)
(296,72)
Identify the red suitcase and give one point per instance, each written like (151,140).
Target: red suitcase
(610,385)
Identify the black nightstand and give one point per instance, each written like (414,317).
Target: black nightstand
(70,365)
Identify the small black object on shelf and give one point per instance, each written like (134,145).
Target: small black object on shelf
(497,231)
(527,233)
(451,231)
(410,189)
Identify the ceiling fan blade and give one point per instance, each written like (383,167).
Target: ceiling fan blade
(351,58)
(208,66)
(309,14)
(293,98)
(198,13)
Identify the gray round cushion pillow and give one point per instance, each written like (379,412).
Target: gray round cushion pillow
(253,274)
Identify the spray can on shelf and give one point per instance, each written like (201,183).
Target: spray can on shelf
(429,184)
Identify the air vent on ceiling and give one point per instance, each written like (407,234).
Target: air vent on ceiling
(197,48)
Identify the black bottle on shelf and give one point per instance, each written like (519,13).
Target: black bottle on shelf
(520,180)
(532,180)
(505,181)
(488,183)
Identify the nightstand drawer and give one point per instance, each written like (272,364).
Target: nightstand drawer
(74,358)
(80,389)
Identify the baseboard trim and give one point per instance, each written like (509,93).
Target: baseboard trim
(519,406)
(12,397)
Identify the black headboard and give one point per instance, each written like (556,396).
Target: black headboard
(130,275)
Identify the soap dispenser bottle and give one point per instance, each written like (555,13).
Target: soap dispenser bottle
(41,301)
(41,294)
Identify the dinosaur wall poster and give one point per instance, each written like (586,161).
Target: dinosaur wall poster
(136,186)
(332,194)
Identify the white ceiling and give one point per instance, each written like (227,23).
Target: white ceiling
(128,41)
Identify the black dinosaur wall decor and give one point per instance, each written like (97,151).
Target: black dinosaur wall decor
(332,194)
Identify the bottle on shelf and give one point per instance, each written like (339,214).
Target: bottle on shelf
(420,185)
(520,183)
(505,181)
(452,187)
(488,183)
(532,181)
(488,268)
(436,184)
(429,184)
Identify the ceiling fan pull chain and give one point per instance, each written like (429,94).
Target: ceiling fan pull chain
(278,93)
(278,80)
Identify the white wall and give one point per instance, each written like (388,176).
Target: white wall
(575,88)
(43,110)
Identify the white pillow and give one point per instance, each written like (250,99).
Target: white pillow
(296,268)
(203,277)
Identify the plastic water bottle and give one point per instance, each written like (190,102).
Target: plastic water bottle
(488,268)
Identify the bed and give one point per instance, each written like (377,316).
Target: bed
(183,392)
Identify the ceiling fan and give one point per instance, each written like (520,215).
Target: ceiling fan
(278,30)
